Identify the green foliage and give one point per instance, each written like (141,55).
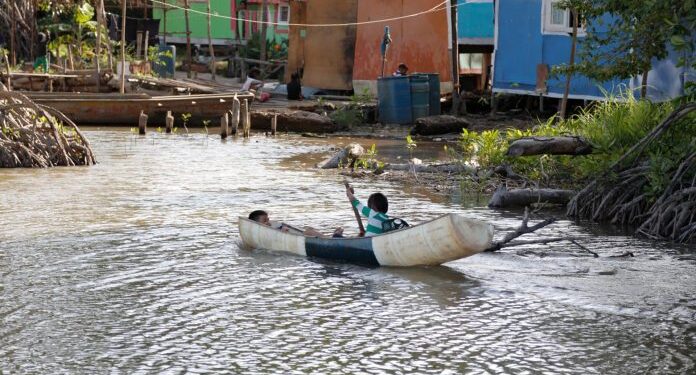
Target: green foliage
(369,160)
(353,113)
(634,34)
(274,50)
(347,117)
(612,127)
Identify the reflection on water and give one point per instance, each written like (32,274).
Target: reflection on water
(134,265)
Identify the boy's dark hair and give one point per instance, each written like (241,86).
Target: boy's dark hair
(295,76)
(379,202)
(256,215)
(402,65)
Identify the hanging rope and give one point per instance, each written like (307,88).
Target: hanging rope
(442,6)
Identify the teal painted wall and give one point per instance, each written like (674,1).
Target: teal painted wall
(475,19)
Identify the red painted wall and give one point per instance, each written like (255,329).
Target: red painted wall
(420,42)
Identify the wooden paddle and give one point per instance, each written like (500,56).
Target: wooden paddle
(355,211)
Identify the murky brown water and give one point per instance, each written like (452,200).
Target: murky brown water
(133,266)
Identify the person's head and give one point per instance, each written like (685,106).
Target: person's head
(260,216)
(295,76)
(403,69)
(378,202)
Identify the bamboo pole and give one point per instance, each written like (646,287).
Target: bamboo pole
(188,38)
(236,108)
(123,47)
(210,45)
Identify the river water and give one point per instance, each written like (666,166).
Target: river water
(134,266)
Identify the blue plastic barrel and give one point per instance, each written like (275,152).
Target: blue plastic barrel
(420,96)
(394,95)
(435,106)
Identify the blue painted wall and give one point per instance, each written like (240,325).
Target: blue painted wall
(521,45)
(475,19)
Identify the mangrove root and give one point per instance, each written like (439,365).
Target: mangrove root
(618,195)
(35,136)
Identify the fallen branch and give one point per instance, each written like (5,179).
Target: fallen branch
(524,228)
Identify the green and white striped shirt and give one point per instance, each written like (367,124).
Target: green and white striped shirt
(374,218)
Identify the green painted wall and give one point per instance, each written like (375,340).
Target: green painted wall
(221,28)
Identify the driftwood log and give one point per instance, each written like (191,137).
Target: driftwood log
(34,136)
(442,124)
(294,121)
(343,157)
(503,197)
(563,145)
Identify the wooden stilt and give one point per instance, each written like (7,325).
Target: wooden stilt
(234,121)
(274,125)
(142,123)
(224,126)
(138,44)
(246,118)
(169,122)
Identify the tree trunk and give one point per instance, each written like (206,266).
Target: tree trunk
(13,42)
(644,84)
(264,28)
(123,47)
(524,197)
(566,93)
(210,45)
(188,38)
(561,145)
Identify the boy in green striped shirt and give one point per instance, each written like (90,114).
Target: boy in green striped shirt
(375,211)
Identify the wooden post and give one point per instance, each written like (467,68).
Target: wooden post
(210,46)
(164,29)
(188,38)
(138,43)
(264,28)
(123,46)
(541,103)
(236,108)
(574,36)
(457,107)
(224,126)
(142,123)
(108,45)
(147,45)
(246,119)
(169,120)
(97,46)
(274,125)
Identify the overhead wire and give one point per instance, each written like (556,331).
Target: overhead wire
(441,6)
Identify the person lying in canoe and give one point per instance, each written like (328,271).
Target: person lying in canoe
(261,217)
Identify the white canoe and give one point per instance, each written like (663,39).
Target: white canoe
(441,240)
